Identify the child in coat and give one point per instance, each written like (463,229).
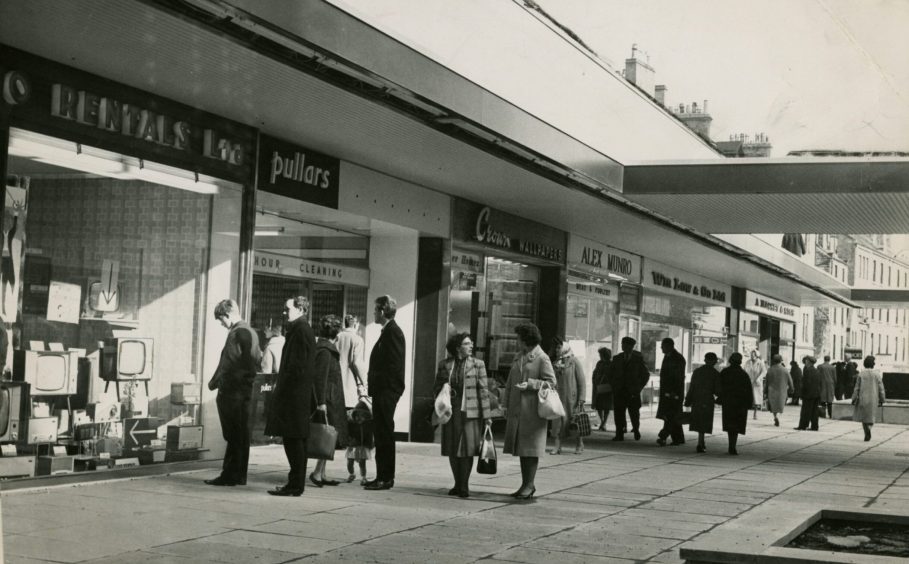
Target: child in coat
(359,439)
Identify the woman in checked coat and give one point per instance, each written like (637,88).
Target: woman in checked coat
(572,387)
(525,431)
(462,435)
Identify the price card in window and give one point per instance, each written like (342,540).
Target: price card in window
(64,302)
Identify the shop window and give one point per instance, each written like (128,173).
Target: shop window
(102,248)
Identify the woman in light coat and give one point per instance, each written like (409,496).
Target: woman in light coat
(462,435)
(779,382)
(572,386)
(756,370)
(525,430)
(868,396)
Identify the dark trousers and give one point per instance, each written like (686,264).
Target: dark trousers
(295,450)
(620,403)
(808,415)
(672,428)
(383,415)
(233,411)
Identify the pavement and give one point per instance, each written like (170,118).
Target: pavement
(615,503)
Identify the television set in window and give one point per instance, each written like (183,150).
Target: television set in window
(13,398)
(49,373)
(127,358)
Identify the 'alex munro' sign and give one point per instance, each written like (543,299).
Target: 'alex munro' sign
(298,172)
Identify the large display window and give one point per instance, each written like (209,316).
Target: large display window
(592,319)
(106,272)
(695,327)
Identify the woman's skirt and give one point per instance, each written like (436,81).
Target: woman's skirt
(461,436)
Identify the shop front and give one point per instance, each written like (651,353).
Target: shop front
(764,324)
(602,298)
(505,271)
(691,310)
(121,226)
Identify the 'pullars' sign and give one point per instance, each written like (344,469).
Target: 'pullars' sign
(298,172)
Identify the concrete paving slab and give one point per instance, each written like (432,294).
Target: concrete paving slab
(302,544)
(618,546)
(205,549)
(702,507)
(143,557)
(548,556)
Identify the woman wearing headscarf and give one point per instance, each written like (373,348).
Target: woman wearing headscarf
(525,430)
(572,387)
(602,388)
(779,382)
(736,395)
(327,373)
(701,398)
(868,396)
(462,434)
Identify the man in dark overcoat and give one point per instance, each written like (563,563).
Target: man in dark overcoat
(386,384)
(233,379)
(672,394)
(811,395)
(292,399)
(628,376)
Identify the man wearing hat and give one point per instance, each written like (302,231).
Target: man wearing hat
(811,395)
(628,375)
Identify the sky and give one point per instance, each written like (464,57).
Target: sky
(811,74)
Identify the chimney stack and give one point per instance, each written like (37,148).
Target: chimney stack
(639,72)
(660,94)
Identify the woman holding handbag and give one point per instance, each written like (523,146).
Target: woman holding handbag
(572,387)
(469,392)
(327,373)
(525,430)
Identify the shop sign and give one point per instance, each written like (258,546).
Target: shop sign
(466,262)
(610,293)
(704,340)
(589,256)
(497,229)
(770,307)
(61,101)
(285,265)
(298,172)
(672,281)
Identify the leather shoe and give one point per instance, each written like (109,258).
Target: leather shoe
(219,481)
(618,438)
(330,482)
(454,491)
(661,442)
(379,485)
(637,435)
(286,491)
(315,482)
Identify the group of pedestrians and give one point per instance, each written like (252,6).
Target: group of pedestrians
(319,373)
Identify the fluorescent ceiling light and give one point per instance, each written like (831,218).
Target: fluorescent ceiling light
(269,231)
(75,156)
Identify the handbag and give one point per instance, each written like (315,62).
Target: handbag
(549,406)
(488,461)
(604,388)
(582,423)
(443,404)
(322,439)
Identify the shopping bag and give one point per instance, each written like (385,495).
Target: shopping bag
(549,406)
(322,439)
(487,462)
(582,424)
(685,417)
(443,405)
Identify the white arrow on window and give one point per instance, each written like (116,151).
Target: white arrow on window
(133,432)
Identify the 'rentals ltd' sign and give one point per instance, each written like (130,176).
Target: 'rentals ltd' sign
(297,172)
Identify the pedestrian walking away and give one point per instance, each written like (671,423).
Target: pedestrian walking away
(463,433)
(779,384)
(386,384)
(796,372)
(293,399)
(736,396)
(672,394)
(628,375)
(572,387)
(233,378)
(811,396)
(828,385)
(525,430)
(602,389)
(701,398)
(868,396)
